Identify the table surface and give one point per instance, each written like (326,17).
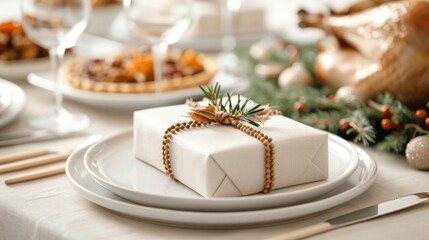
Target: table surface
(51,209)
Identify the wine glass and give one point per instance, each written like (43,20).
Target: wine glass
(159,23)
(227,58)
(56,25)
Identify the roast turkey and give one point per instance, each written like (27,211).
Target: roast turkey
(381,49)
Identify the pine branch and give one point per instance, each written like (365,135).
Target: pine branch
(326,120)
(236,110)
(395,142)
(361,124)
(364,122)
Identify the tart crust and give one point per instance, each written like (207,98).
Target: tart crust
(73,75)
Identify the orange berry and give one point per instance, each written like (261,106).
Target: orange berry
(299,106)
(398,126)
(385,111)
(421,114)
(386,124)
(344,124)
(427,122)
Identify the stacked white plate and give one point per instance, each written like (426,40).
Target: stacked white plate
(108,174)
(12,102)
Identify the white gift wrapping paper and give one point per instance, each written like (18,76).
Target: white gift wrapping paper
(222,161)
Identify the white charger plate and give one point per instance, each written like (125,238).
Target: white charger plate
(111,163)
(362,178)
(131,102)
(17,102)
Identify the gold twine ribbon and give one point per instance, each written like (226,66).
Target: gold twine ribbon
(203,116)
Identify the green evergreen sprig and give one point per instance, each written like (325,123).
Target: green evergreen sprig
(238,109)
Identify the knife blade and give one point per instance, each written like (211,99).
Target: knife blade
(357,216)
(35,136)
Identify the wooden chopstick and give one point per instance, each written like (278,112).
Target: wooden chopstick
(22,155)
(42,173)
(33,162)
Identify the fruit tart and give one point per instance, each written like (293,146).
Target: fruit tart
(132,72)
(101,3)
(15,45)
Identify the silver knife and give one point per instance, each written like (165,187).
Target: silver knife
(37,135)
(357,216)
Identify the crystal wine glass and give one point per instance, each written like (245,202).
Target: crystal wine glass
(159,23)
(227,58)
(56,25)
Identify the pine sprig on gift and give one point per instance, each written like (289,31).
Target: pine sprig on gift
(237,110)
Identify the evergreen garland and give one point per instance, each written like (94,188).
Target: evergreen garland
(386,122)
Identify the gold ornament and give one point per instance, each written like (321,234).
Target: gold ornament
(297,74)
(417,152)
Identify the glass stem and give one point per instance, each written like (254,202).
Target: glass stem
(159,51)
(230,8)
(56,55)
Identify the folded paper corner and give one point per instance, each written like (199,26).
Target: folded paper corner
(227,188)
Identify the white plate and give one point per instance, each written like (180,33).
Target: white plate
(112,163)
(88,45)
(82,182)
(131,102)
(5,99)
(17,104)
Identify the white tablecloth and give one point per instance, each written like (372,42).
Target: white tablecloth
(51,209)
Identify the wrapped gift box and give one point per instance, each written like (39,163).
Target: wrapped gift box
(222,161)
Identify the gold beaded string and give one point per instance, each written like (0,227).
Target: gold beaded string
(264,139)
(168,135)
(269,153)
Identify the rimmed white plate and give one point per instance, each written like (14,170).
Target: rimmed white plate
(5,99)
(362,178)
(130,102)
(17,102)
(112,163)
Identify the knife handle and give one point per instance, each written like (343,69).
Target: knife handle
(304,232)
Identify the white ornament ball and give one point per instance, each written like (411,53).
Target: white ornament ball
(297,74)
(347,93)
(269,70)
(417,152)
(259,51)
